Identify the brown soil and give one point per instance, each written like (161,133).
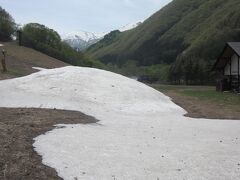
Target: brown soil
(18,127)
(204,109)
(20,60)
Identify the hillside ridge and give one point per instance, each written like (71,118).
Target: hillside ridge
(182,31)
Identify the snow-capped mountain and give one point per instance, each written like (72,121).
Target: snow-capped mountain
(81,40)
(129,26)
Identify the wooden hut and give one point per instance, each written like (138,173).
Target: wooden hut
(228,68)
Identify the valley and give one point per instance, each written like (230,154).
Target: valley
(135,102)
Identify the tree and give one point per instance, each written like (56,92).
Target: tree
(37,35)
(48,41)
(7,25)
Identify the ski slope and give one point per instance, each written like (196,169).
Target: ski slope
(141,135)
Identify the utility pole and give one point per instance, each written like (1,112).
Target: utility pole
(4,61)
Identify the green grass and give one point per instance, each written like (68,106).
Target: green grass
(202,93)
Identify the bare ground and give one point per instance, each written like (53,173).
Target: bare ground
(18,127)
(20,60)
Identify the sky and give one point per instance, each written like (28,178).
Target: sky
(89,15)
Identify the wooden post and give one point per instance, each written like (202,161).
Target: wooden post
(238,75)
(231,73)
(4,61)
(19,34)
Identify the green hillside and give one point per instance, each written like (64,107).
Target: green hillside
(186,35)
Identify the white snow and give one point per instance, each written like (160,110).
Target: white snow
(129,26)
(141,134)
(83,35)
(39,68)
(91,36)
(81,40)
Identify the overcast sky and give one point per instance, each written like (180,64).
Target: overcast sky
(90,15)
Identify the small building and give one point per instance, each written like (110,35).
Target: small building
(228,68)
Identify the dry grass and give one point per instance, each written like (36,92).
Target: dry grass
(203,101)
(20,61)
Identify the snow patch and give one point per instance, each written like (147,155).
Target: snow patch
(39,68)
(129,26)
(142,134)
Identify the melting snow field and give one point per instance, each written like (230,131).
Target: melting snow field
(141,135)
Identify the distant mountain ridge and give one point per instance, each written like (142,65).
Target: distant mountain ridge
(81,40)
(129,26)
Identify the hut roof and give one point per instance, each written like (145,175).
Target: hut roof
(235,46)
(230,49)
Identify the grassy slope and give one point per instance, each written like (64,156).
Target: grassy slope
(187,26)
(204,101)
(20,61)
(203,93)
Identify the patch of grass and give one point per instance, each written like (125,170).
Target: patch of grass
(211,95)
(165,88)
(202,93)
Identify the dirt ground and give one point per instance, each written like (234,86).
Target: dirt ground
(20,60)
(18,127)
(204,109)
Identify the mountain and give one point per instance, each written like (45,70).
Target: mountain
(129,26)
(187,35)
(81,40)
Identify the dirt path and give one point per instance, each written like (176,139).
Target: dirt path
(204,109)
(18,127)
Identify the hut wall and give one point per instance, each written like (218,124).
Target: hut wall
(234,64)
(227,70)
(233,68)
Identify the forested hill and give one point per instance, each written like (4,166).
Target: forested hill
(186,36)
